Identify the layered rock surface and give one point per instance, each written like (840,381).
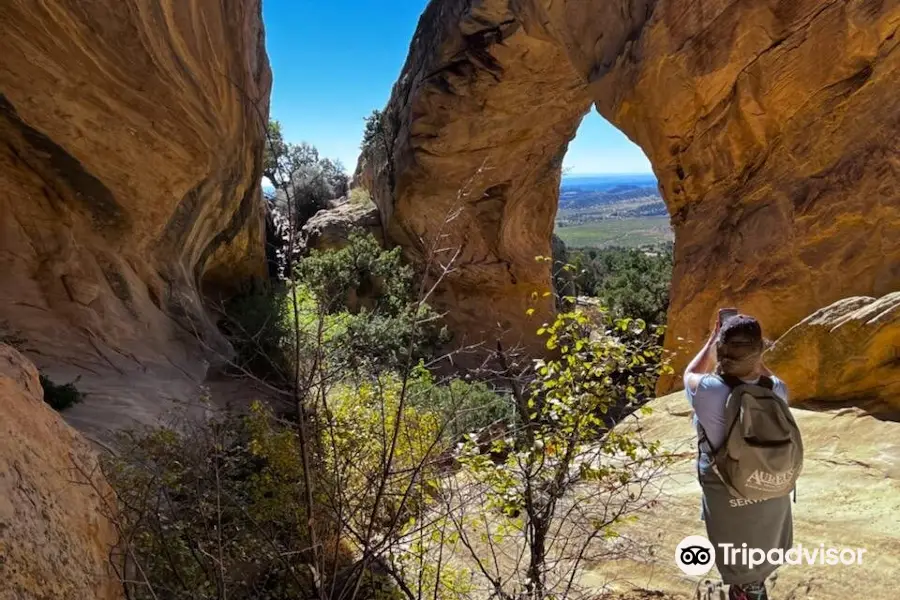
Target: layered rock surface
(55,534)
(846,353)
(772,127)
(132,138)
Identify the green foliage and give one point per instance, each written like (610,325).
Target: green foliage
(374,131)
(604,364)
(361,197)
(565,440)
(629,282)
(60,397)
(368,423)
(464,407)
(275,153)
(304,182)
(353,307)
(213,509)
(256,325)
(362,269)
(636,232)
(562,271)
(368,293)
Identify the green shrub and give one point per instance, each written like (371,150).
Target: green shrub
(565,470)
(353,307)
(466,407)
(368,293)
(363,419)
(60,397)
(360,196)
(629,282)
(216,506)
(256,325)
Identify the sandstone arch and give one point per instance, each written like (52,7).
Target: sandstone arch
(771,125)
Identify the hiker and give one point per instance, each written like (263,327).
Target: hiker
(732,359)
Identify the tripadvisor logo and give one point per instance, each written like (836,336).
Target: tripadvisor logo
(696,555)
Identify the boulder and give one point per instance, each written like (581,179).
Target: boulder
(771,126)
(330,228)
(845,353)
(56,531)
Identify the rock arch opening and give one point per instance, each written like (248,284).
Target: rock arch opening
(770,126)
(609,196)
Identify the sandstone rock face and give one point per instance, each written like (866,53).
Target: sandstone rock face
(772,127)
(54,537)
(848,352)
(132,133)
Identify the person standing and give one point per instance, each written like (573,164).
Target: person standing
(732,357)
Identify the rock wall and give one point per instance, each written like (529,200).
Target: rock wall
(55,536)
(132,134)
(771,125)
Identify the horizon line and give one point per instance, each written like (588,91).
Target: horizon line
(607,173)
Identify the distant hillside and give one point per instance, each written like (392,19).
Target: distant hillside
(591,198)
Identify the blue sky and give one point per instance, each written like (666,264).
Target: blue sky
(334,61)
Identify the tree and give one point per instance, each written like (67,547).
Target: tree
(301,178)
(375,131)
(378,150)
(628,281)
(567,477)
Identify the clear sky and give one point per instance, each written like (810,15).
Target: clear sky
(334,61)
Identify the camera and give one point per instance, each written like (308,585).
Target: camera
(725,314)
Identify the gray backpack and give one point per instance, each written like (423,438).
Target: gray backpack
(762,455)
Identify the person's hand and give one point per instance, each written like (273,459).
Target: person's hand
(716,327)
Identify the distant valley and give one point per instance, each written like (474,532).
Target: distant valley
(604,211)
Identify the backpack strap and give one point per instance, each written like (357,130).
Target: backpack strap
(732,411)
(702,439)
(732,382)
(731,414)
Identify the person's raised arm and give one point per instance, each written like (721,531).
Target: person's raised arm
(703,363)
